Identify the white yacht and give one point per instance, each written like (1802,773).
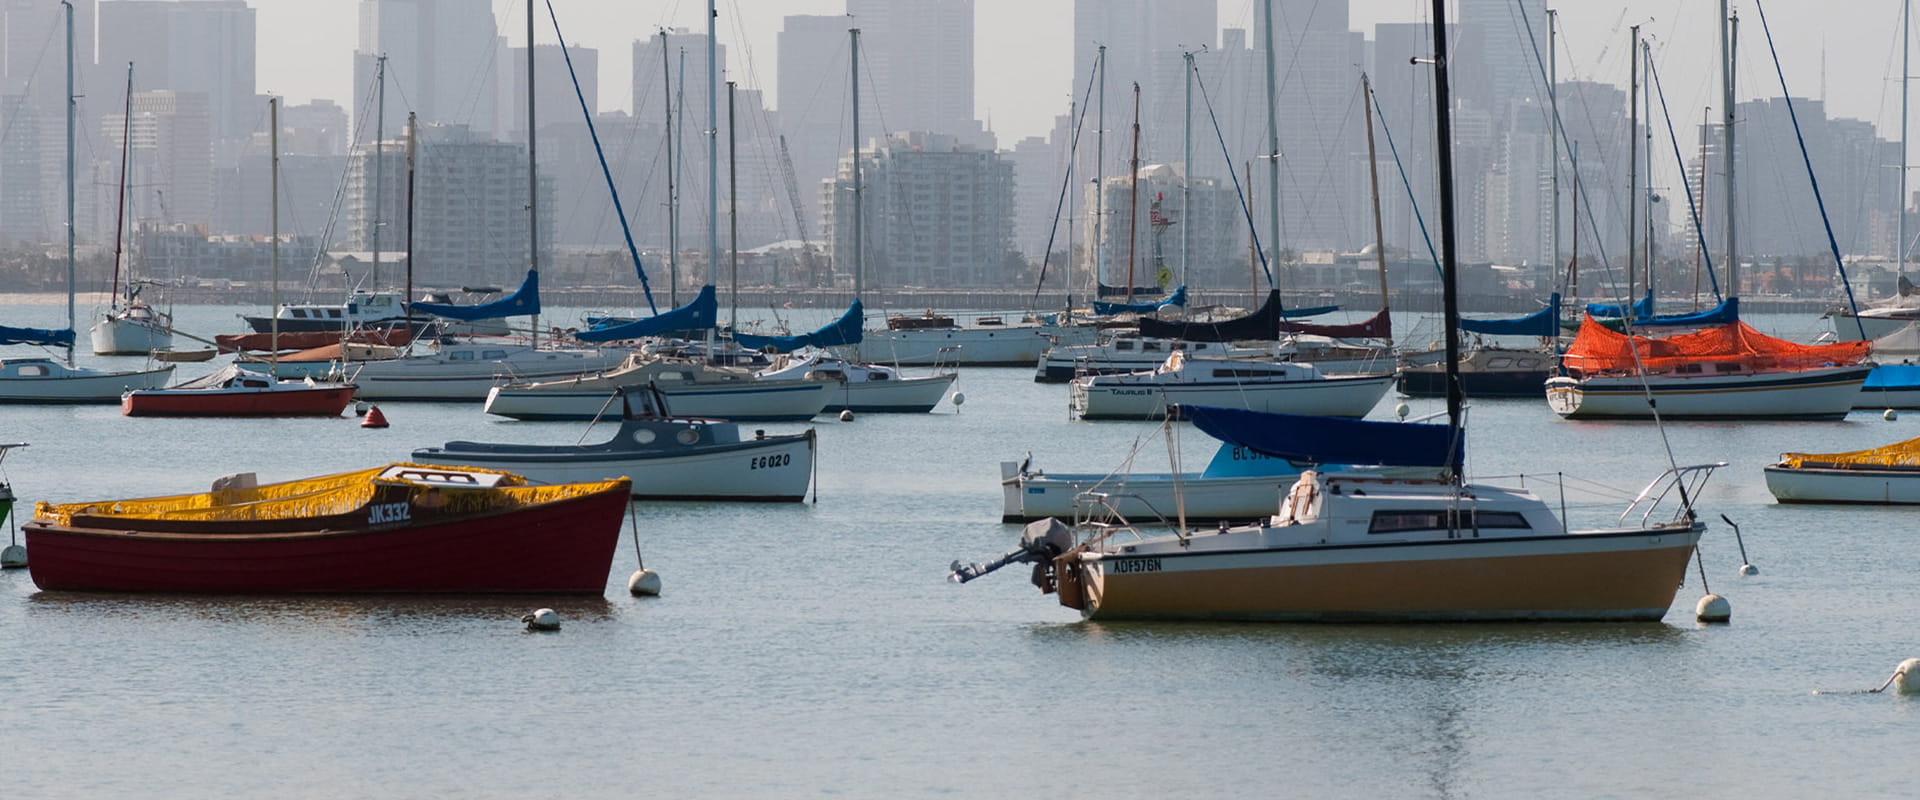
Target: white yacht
(1279,387)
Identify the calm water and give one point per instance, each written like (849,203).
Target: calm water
(816,649)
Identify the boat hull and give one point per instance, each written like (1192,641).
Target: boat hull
(1327,397)
(91,388)
(561,547)
(898,396)
(992,346)
(774,469)
(316,401)
(120,336)
(1627,575)
(1845,328)
(745,401)
(1826,393)
(1891,386)
(1141,498)
(1844,486)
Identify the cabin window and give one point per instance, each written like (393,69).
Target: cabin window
(673,376)
(493,354)
(1123,345)
(333,313)
(1149,347)
(1497,363)
(33,371)
(1528,363)
(1402,520)
(460,355)
(877,376)
(1179,345)
(299,313)
(1726,368)
(1247,373)
(1688,369)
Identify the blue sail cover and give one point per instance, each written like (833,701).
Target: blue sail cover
(702,313)
(1726,313)
(845,330)
(59,338)
(1177,298)
(1543,323)
(1330,440)
(1642,308)
(1310,311)
(524,302)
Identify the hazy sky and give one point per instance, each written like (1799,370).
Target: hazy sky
(1023,48)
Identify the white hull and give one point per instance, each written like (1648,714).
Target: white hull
(744,401)
(1861,486)
(1845,329)
(769,471)
(991,346)
(1826,393)
(434,377)
(1140,498)
(120,336)
(905,395)
(1326,397)
(86,387)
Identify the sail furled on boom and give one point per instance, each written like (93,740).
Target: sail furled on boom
(524,302)
(701,314)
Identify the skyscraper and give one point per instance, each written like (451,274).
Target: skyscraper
(918,67)
(203,46)
(442,59)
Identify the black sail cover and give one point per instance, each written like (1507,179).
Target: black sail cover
(1263,324)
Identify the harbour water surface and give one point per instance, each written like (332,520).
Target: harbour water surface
(816,649)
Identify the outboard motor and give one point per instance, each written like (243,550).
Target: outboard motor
(1040,543)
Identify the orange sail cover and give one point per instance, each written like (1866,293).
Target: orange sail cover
(1596,349)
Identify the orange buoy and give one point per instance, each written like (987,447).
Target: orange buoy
(374,418)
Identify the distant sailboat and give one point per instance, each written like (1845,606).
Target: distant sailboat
(131,326)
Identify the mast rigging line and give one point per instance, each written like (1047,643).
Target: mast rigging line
(1825,221)
(619,210)
(1066,185)
(1253,228)
(1693,207)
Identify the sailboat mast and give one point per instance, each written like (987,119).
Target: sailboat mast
(733,215)
(273,239)
(413,123)
(1906,71)
(859,266)
(1100,179)
(1133,192)
(379,163)
(1633,167)
(1373,183)
(533,174)
(1450,294)
(673,190)
(120,200)
(1553,130)
(1729,33)
(1186,178)
(1273,146)
(1573,264)
(68,7)
(1646,108)
(713,152)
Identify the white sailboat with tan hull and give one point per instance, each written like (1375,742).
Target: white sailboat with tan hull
(1351,548)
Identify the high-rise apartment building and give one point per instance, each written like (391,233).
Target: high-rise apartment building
(917,73)
(936,212)
(555,101)
(170,161)
(200,46)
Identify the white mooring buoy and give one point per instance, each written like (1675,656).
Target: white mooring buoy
(644,583)
(13,556)
(1906,678)
(1713,608)
(846,415)
(544,619)
(1749,569)
(959,399)
(1889,415)
(1401,410)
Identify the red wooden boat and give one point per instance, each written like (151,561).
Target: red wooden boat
(398,528)
(234,392)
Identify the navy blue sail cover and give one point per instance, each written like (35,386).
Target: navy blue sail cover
(1263,324)
(702,313)
(1543,323)
(524,302)
(1331,440)
(1727,313)
(1177,298)
(1642,308)
(59,338)
(845,330)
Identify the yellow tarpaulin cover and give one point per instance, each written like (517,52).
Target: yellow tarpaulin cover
(1898,454)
